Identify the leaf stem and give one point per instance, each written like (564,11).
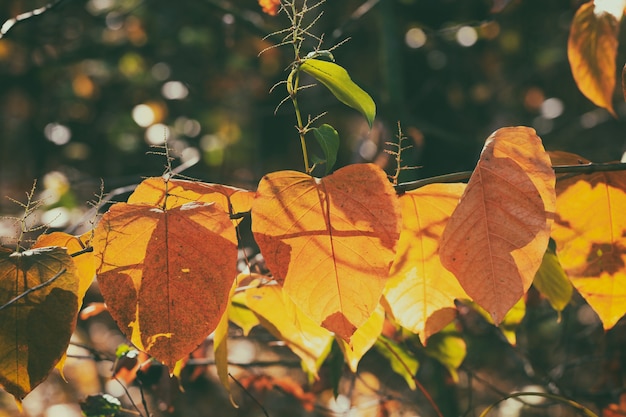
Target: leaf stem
(301,129)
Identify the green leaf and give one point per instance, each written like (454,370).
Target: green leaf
(328,138)
(338,81)
(447,347)
(402,362)
(101,405)
(552,282)
(38,308)
(511,320)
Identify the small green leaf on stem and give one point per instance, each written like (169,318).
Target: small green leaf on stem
(402,362)
(328,138)
(338,81)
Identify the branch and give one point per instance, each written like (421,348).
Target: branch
(10,23)
(559,169)
(35,288)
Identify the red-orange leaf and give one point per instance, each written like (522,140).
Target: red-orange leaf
(592,48)
(495,240)
(590,235)
(153,191)
(421,291)
(330,242)
(166,275)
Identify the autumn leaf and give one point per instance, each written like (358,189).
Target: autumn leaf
(420,291)
(363,339)
(624,82)
(590,235)
(166,274)
(282,317)
(155,191)
(330,242)
(496,237)
(220,349)
(35,329)
(85,264)
(591,49)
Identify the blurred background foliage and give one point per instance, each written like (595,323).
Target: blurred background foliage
(87,87)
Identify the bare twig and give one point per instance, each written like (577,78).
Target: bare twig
(33,289)
(559,169)
(10,23)
(257,402)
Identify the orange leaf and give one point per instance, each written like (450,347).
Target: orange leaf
(166,275)
(590,235)
(153,191)
(421,291)
(330,242)
(84,262)
(591,49)
(495,239)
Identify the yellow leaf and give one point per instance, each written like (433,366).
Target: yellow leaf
(420,291)
(220,349)
(496,237)
(166,275)
(330,242)
(35,329)
(240,314)
(591,49)
(282,317)
(155,191)
(363,339)
(590,235)
(85,264)
(552,282)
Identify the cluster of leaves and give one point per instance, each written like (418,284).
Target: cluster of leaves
(345,252)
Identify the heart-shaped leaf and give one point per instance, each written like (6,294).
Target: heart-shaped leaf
(166,274)
(330,242)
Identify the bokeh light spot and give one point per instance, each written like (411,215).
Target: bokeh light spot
(143,115)
(415,38)
(466,36)
(157,134)
(174,90)
(57,133)
(552,108)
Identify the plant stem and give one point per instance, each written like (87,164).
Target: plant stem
(301,130)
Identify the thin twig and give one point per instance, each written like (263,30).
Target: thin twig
(132,402)
(559,169)
(35,288)
(10,23)
(419,385)
(249,395)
